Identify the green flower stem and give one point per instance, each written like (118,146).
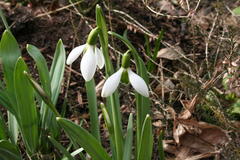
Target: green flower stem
(93,36)
(92,105)
(112,101)
(126,60)
(142,103)
(4,20)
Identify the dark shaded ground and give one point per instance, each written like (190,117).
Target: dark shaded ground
(211,28)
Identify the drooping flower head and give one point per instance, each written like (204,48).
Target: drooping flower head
(92,56)
(125,74)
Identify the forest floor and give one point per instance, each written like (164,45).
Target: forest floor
(195,84)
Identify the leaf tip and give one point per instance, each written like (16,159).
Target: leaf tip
(58,118)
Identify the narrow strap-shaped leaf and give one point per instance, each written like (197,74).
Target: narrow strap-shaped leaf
(56,76)
(61,148)
(13,128)
(6,102)
(113,100)
(129,139)
(27,111)
(160,147)
(41,66)
(76,152)
(57,70)
(9,151)
(4,19)
(45,97)
(9,52)
(146,141)
(90,144)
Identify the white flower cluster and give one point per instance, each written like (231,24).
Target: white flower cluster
(92,58)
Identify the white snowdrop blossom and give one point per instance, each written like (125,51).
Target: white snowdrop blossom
(92,57)
(113,81)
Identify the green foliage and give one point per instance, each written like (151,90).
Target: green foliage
(20,94)
(82,137)
(9,151)
(146,141)
(236,108)
(153,55)
(236,11)
(26,107)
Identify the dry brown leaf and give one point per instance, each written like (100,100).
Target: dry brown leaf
(194,140)
(200,156)
(99,86)
(158,124)
(173,53)
(168,86)
(79,98)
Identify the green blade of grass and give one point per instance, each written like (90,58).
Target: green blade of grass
(28,118)
(129,139)
(9,53)
(90,144)
(56,77)
(146,141)
(61,148)
(41,66)
(4,20)
(9,151)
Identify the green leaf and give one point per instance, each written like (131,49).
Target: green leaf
(13,128)
(81,136)
(129,139)
(6,102)
(4,19)
(160,146)
(101,23)
(236,11)
(236,107)
(146,141)
(9,151)
(9,52)
(61,148)
(41,66)
(27,112)
(45,97)
(56,77)
(57,70)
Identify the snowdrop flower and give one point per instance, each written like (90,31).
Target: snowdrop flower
(92,56)
(136,81)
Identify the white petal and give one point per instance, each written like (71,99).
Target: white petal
(138,83)
(112,83)
(74,54)
(88,64)
(99,58)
